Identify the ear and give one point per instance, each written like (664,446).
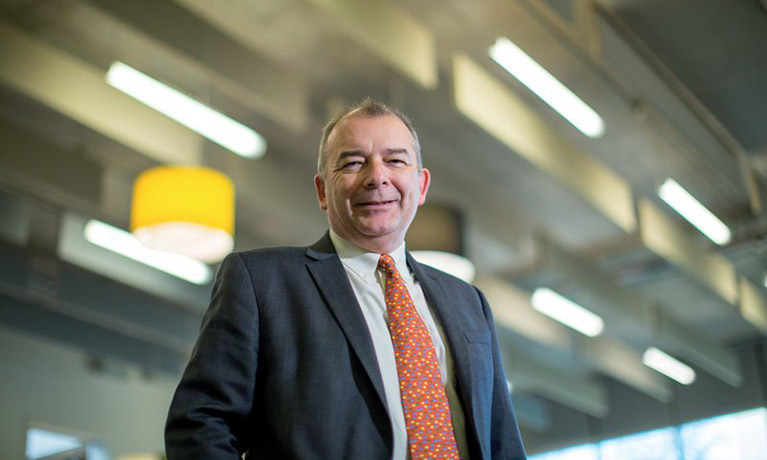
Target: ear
(424,179)
(319,186)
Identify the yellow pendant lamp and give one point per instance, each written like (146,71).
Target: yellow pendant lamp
(184,210)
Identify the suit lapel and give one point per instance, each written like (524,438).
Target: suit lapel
(447,310)
(327,271)
(333,284)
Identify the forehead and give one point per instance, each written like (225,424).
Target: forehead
(359,132)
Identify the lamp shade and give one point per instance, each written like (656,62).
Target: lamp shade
(184,210)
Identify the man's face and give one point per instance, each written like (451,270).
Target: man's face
(372,186)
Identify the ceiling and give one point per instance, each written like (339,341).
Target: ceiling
(681,86)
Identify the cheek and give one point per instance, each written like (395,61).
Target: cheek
(338,199)
(411,191)
(343,192)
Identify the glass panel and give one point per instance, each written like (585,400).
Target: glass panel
(584,452)
(740,436)
(95,451)
(44,443)
(652,445)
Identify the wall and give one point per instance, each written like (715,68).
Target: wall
(54,385)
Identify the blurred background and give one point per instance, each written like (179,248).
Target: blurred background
(600,163)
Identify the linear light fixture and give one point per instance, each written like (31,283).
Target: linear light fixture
(547,87)
(688,207)
(125,244)
(196,116)
(567,312)
(668,366)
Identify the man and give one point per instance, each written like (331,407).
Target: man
(348,348)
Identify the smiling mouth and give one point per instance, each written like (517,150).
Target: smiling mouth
(377,203)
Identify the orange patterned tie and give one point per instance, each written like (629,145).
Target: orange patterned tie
(427,414)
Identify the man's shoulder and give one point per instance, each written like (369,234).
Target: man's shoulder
(271,254)
(282,258)
(268,264)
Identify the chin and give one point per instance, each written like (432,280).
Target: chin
(374,233)
(372,229)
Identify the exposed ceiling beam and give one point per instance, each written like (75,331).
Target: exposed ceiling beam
(566,388)
(753,304)
(261,84)
(72,292)
(668,239)
(79,91)
(73,248)
(667,107)
(637,316)
(73,180)
(513,311)
(624,364)
(33,317)
(389,32)
(16,221)
(495,108)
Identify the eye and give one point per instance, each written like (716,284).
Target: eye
(353,164)
(397,161)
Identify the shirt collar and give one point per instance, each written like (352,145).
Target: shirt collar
(364,263)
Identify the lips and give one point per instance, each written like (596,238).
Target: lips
(375,203)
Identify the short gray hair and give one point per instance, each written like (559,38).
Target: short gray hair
(368,107)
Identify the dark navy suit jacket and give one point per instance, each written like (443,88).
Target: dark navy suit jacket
(285,368)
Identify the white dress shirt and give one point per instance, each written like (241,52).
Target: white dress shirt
(368,284)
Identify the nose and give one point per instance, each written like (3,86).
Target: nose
(375,174)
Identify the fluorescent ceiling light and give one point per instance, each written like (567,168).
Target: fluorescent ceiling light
(547,87)
(567,312)
(127,245)
(214,125)
(695,213)
(456,265)
(668,366)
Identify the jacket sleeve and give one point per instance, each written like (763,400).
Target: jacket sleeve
(505,442)
(211,410)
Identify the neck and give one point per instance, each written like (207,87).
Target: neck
(378,245)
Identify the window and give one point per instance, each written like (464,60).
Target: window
(737,436)
(657,444)
(742,435)
(45,444)
(584,452)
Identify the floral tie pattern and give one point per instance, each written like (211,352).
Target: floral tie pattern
(427,413)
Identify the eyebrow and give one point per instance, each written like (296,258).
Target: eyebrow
(391,151)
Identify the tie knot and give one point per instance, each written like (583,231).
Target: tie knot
(386,263)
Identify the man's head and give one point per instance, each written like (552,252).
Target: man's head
(369,176)
(368,108)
